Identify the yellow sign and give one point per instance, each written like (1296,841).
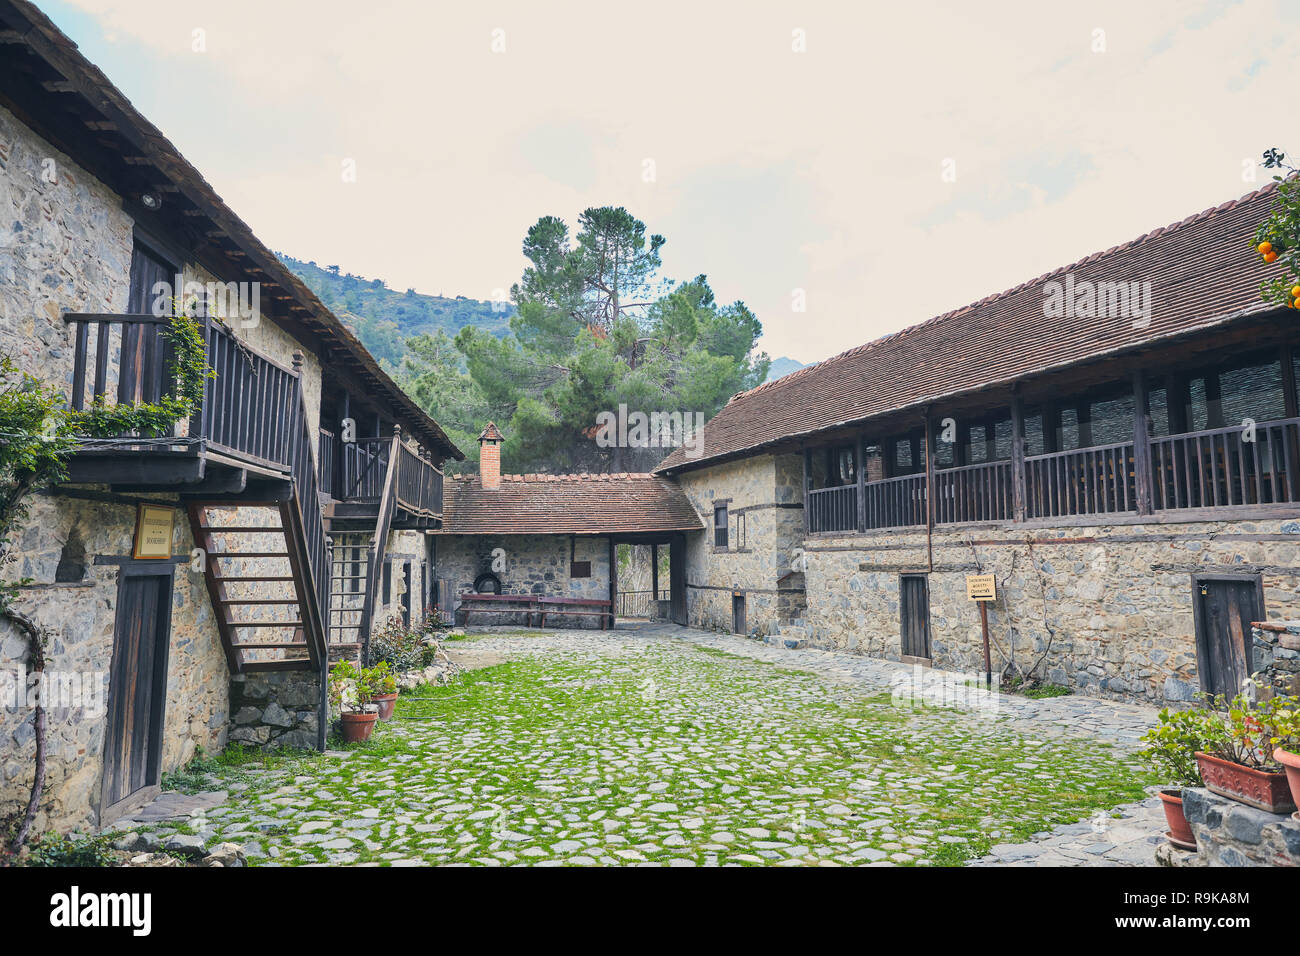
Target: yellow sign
(981,587)
(153,531)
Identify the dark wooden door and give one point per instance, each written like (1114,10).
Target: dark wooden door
(677,579)
(914,602)
(1224,610)
(137,691)
(738,622)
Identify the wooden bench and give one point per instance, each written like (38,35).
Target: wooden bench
(498,604)
(575,607)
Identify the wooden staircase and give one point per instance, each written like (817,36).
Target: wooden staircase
(258,585)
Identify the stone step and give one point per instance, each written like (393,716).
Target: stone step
(782,639)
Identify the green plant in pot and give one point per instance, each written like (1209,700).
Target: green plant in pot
(1287,745)
(1242,737)
(383,683)
(351,689)
(1171,747)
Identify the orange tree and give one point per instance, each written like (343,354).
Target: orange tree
(1278,236)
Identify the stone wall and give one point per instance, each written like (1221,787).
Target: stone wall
(1108,609)
(1102,609)
(80,617)
(1276,653)
(765,525)
(276,709)
(1229,833)
(533,564)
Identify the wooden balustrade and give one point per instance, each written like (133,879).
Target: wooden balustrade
(1084,481)
(364,468)
(895,502)
(1227,467)
(833,509)
(980,492)
(1216,468)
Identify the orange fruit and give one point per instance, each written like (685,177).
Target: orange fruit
(1265,248)
(1295,292)
(1270,256)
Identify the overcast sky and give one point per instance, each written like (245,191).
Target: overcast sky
(1070,128)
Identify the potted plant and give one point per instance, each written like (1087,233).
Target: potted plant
(350,688)
(1238,758)
(1287,751)
(384,689)
(1171,748)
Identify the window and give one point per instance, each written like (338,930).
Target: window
(720,526)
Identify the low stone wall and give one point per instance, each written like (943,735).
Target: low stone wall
(276,709)
(1277,654)
(1229,833)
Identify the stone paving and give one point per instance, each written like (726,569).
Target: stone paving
(660,745)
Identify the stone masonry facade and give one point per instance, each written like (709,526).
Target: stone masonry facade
(66,246)
(765,526)
(1103,609)
(531,564)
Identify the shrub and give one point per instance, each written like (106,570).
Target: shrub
(1247,731)
(53,849)
(1172,744)
(396,645)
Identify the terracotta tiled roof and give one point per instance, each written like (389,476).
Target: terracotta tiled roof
(567,504)
(1202,271)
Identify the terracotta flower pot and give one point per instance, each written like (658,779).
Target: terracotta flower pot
(357,727)
(386,704)
(1180,831)
(1292,764)
(1262,789)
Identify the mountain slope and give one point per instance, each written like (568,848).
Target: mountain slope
(782,366)
(383,318)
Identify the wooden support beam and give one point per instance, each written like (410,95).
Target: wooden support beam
(1018,495)
(1142,443)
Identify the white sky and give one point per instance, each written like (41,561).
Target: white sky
(775,170)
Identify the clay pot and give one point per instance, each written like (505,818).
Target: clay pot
(357,727)
(1292,764)
(1261,789)
(386,704)
(1180,831)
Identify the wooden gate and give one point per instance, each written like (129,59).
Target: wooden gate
(1224,607)
(914,603)
(137,689)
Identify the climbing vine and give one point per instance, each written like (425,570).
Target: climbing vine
(36,437)
(189,370)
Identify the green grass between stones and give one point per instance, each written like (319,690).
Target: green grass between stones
(667,754)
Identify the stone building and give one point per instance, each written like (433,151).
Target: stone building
(194,586)
(553,537)
(1117,442)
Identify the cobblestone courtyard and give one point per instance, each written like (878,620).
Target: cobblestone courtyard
(663,745)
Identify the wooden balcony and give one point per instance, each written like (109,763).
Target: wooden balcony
(240,432)
(1213,473)
(363,471)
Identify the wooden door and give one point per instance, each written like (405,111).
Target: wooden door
(137,690)
(738,622)
(677,579)
(1224,609)
(914,603)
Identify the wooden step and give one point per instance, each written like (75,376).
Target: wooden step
(222,579)
(264,623)
(273,646)
(236,602)
(248,554)
(243,530)
(291,664)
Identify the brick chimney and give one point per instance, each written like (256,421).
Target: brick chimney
(489,457)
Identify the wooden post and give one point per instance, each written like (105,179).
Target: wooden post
(927,445)
(1141,444)
(861,460)
(984,627)
(1018,494)
(654,571)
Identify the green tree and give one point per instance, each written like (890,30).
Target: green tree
(1278,236)
(596,328)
